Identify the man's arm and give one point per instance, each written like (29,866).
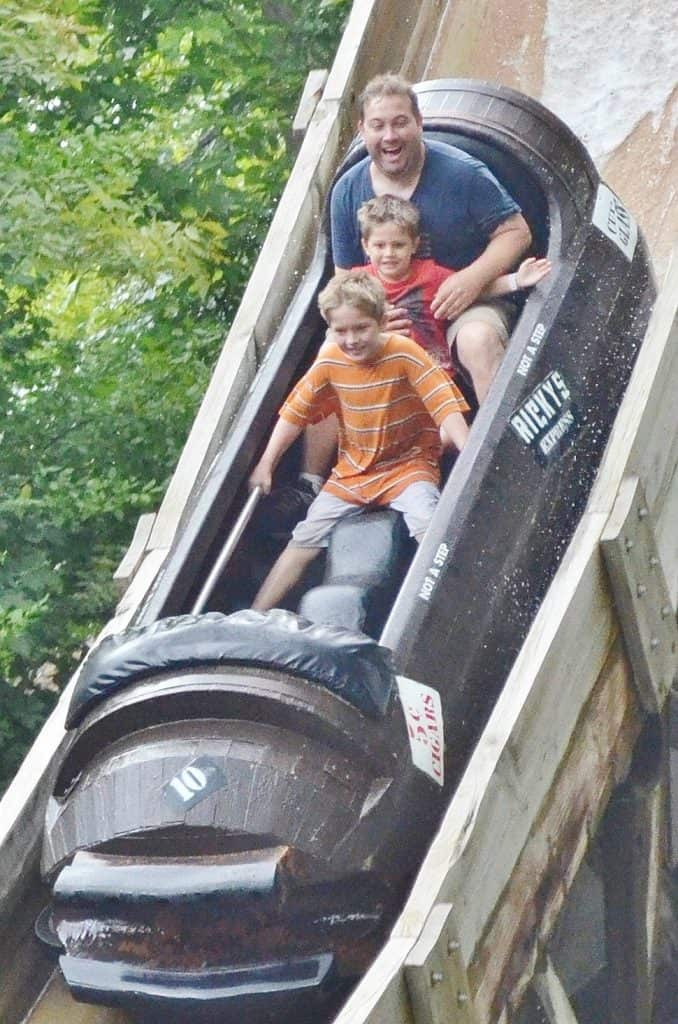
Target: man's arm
(507,243)
(284,434)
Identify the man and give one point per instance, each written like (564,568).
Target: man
(469,222)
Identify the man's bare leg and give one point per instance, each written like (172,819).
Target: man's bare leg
(287,570)
(480,351)
(320,445)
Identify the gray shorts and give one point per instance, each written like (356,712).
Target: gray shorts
(417,504)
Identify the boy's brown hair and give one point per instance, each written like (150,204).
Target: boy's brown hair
(389,84)
(389,210)
(359,289)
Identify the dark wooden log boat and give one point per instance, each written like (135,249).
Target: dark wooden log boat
(245,797)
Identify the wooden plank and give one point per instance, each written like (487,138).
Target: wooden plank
(136,591)
(645,438)
(436,974)
(552,996)
(641,594)
(310,97)
(132,559)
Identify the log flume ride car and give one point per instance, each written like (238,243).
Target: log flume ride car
(246,797)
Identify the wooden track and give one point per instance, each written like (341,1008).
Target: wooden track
(575,707)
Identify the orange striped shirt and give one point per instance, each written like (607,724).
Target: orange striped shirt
(389,412)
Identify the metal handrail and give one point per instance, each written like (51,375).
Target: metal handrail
(227,550)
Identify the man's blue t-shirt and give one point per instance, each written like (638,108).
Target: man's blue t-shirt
(460,203)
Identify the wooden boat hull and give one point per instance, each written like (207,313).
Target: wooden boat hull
(305,814)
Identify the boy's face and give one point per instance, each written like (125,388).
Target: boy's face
(356,333)
(390,249)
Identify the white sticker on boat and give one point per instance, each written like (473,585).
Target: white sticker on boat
(194,782)
(547,419)
(430,581)
(531,349)
(614,220)
(424,718)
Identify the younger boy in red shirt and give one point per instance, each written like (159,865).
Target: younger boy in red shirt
(389,229)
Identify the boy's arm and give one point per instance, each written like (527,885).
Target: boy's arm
(530,272)
(453,431)
(436,391)
(284,434)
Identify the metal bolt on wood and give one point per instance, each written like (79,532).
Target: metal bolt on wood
(641,589)
(642,512)
(435,973)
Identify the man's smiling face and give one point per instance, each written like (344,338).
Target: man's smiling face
(392,134)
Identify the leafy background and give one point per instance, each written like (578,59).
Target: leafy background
(143,147)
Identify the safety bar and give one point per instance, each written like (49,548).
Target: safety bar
(227,550)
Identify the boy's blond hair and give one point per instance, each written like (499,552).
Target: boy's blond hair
(389,84)
(357,288)
(389,210)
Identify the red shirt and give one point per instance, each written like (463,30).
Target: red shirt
(415,294)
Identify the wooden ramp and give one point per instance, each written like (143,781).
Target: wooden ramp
(572,765)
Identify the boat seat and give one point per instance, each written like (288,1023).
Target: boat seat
(365,561)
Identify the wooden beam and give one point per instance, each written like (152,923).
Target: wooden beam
(133,557)
(641,594)
(310,97)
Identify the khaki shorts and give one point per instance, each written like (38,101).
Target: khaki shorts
(498,313)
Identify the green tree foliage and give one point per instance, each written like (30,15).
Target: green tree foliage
(143,147)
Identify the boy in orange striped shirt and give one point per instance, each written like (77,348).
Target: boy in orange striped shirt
(396,411)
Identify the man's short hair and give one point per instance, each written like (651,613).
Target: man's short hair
(358,289)
(389,210)
(389,84)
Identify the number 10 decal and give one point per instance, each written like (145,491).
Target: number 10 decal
(194,782)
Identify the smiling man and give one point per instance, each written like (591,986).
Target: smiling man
(469,222)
